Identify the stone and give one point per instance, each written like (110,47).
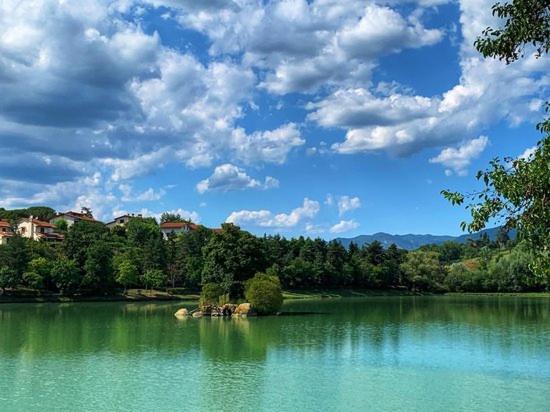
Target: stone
(181,313)
(242,309)
(197,314)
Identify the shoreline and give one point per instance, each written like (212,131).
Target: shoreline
(289,295)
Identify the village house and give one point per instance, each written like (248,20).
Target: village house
(72,217)
(122,220)
(169,229)
(38,230)
(5,231)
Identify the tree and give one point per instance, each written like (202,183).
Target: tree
(526,22)
(80,238)
(516,190)
(8,278)
(154,279)
(171,217)
(15,255)
(231,255)
(423,270)
(126,272)
(66,275)
(38,271)
(61,225)
(98,267)
(264,293)
(41,212)
(144,236)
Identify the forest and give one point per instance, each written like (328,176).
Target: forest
(95,260)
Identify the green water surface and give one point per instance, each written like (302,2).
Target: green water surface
(372,354)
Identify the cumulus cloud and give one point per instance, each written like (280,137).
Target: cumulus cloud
(128,194)
(347,204)
(403,122)
(344,226)
(84,87)
(229,177)
(527,153)
(272,146)
(302,45)
(267,219)
(458,159)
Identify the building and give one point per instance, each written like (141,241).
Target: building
(38,230)
(5,231)
(72,217)
(169,229)
(121,220)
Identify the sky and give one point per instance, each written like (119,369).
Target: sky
(328,118)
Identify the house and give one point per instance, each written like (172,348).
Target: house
(121,220)
(38,230)
(169,229)
(5,231)
(72,217)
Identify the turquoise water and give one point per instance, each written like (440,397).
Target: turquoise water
(376,354)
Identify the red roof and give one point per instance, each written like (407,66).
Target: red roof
(77,215)
(4,223)
(178,225)
(40,223)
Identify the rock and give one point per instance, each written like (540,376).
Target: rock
(197,314)
(242,309)
(181,313)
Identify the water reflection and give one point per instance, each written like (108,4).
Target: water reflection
(388,353)
(345,326)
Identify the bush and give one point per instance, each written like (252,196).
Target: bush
(264,293)
(210,294)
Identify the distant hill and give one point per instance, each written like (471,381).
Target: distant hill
(411,241)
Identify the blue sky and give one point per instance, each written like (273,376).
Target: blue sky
(323,118)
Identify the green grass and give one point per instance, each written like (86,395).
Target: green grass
(343,293)
(522,294)
(179,294)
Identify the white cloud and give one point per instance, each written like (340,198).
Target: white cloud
(527,153)
(149,194)
(272,146)
(228,177)
(344,226)
(267,219)
(301,45)
(488,92)
(458,159)
(347,204)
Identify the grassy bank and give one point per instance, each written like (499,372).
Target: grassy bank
(137,295)
(131,295)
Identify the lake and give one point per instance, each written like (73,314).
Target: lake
(440,353)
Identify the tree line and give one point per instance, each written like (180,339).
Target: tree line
(96,260)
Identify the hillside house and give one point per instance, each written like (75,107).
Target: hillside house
(5,231)
(38,230)
(169,229)
(72,217)
(121,220)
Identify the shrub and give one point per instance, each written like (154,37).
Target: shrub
(210,294)
(264,293)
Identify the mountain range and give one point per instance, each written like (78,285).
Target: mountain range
(411,241)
